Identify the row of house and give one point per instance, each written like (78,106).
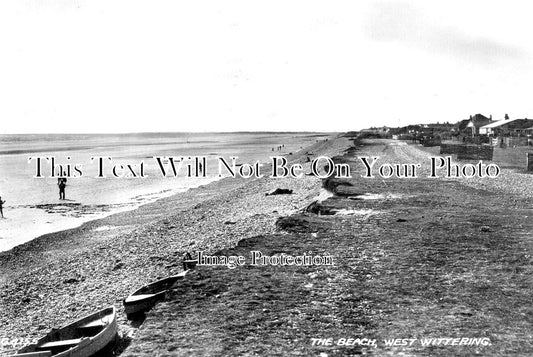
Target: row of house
(506,132)
(481,125)
(476,129)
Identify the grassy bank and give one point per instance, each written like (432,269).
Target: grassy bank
(418,259)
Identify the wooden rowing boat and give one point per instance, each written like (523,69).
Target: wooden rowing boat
(145,298)
(83,338)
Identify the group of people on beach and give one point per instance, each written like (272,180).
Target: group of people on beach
(278,148)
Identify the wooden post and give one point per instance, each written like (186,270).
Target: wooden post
(530,161)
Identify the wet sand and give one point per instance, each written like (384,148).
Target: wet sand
(33,207)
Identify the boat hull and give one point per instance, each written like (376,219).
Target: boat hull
(94,333)
(144,298)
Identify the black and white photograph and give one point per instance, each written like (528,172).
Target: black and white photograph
(266,178)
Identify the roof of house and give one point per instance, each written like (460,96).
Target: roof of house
(501,122)
(497,123)
(477,120)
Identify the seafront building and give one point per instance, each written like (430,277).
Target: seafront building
(507,127)
(477,129)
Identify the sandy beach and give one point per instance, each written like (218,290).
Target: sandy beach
(408,263)
(266,179)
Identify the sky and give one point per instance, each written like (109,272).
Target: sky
(103,66)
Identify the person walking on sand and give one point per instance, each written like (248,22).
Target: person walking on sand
(62,183)
(2,207)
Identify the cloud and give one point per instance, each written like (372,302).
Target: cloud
(402,23)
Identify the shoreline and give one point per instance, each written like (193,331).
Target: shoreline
(37,212)
(121,207)
(103,211)
(95,221)
(398,248)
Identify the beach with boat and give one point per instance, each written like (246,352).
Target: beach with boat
(411,257)
(122,233)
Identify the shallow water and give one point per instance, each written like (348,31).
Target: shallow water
(33,206)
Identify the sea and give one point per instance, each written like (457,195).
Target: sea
(111,173)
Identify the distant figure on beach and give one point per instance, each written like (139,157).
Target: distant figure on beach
(61,183)
(2,207)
